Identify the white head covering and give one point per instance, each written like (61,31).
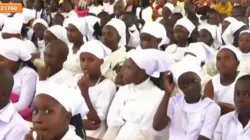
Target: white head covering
(201,50)
(120,26)
(96,48)
(212,29)
(2,20)
(245,31)
(13,25)
(41,21)
(234,50)
(12,50)
(80,24)
(181,67)
(170,6)
(61,93)
(228,34)
(153,61)
(185,22)
(91,21)
(59,31)
(157,30)
(28,14)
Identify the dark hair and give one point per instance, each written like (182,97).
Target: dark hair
(159,82)
(237,34)
(145,3)
(76,121)
(97,31)
(178,15)
(24,33)
(244,78)
(29,64)
(103,13)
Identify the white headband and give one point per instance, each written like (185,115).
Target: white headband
(153,61)
(28,14)
(96,48)
(170,6)
(80,24)
(12,50)
(234,50)
(120,27)
(41,21)
(212,29)
(181,67)
(59,31)
(245,31)
(186,23)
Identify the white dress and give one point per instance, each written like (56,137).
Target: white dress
(132,112)
(176,52)
(96,9)
(222,93)
(189,121)
(101,96)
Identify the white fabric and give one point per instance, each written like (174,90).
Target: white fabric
(96,9)
(96,48)
(223,93)
(181,67)
(24,86)
(203,52)
(133,110)
(186,23)
(13,25)
(245,63)
(170,6)
(245,31)
(80,24)
(134,39)
(11,49)
(152,61)
(228,34)
(62,77)
(230,128)
(59,32)
(41,21)
(12,126)
(109,8)
(157,30)
(146,14)
(2,20)
(29,46)
(101,96)
(120,27)
(91,21)
(210,28)
(235,50)
(71,135)
(189,121)
(28,14)
(176,52)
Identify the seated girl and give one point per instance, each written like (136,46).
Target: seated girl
(189,116)
(235,125)
(244,47)
(132,110)
(97,91)
(221,87)
(25,76)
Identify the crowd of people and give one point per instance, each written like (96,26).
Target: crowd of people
(125,70)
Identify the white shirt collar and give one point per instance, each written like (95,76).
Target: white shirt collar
(6,113)
(70,135)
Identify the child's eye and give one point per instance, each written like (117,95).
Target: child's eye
(34,112)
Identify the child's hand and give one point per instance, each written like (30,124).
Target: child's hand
(29,136)
(83,83)
(169,83)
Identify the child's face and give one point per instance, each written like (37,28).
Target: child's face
(213,19)
(205,37)
(190,84)
(50,119)
(242,97)
(90,64)
(244,42)
(148,41)
(180,33)
(39,30)
(110,37)
(226,61)
(73,34)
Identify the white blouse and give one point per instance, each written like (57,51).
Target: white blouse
(24,86)
(12,125)
(101,96)
(222,93)
(189,121)
(245,63)
(96,9)
(230,128)
(62,77)
(146,15)
(133,110)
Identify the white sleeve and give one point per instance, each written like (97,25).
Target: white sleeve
(171,106)
(147,15)
(28,87)
(104,100)
(113,118)
(18,132)
(212,117)
(218,131)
